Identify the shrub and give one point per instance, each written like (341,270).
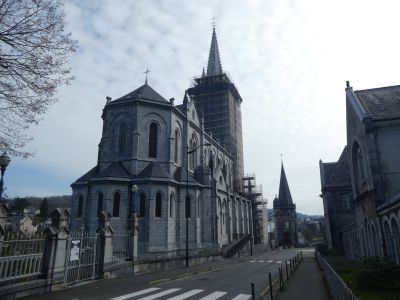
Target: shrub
(377,273)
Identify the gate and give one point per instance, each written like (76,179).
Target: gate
(82,258)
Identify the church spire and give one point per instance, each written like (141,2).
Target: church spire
(285,197)
(214,62)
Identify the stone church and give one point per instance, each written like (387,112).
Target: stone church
(285,217)
(372,178)
(165,162)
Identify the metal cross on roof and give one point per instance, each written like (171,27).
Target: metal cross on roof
(214,22)
(146,72)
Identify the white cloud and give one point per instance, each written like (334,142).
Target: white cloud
(289,59)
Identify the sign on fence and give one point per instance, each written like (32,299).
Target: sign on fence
(74,254)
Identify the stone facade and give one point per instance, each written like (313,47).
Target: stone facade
(337,198)
(142,169)
(373,142)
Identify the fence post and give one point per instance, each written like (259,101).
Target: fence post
(253,295)
(271,292)
(287,273)
(105,250)
(4,209)
(54,255)
(133,239)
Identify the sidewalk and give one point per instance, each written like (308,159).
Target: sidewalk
(306,283)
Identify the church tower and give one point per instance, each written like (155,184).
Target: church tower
(285,214)
(218,100)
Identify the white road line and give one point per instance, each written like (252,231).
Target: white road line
(186,295)
(214,296)
(123,297)
(270,261)
(252,261)
(242,297)
(279,262)
(160,294)
(260,261)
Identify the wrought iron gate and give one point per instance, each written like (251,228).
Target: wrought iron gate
(82,258)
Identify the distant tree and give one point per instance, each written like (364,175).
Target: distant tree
(33,53)
(44,209)
(18,204)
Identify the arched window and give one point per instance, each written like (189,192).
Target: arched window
(396,239)
(176,146)
(142,208)
(99,203)
(121,137)
(116,203)
(187,207)
(153,140)
(80,206)
(158,205)
(171,205)
(389,241)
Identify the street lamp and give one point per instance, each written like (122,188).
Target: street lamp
(4,161)
(134,190)
(132,225)
(188,199)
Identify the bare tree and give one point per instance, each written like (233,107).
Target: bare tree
(34,49)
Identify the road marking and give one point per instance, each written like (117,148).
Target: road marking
(186,295)
(252,261)
(160,294)
(242,297)
(270,261)
(214,296)
(279,262)
(123,297)
(260,261)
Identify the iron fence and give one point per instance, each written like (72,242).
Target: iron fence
(120,246)
(82,259)
(336,286)
(21,256)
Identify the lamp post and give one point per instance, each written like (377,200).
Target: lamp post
(134,190)
(188,199)
(132,225)
(4,161)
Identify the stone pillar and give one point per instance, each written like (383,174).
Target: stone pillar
(105,232)
(55,249)
(4,209)
(133,231)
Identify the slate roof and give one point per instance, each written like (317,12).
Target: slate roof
(90,174)
(381,103)
(144,92)
(115,169)
(153,169)
(341,173)
(285,198)
(180,176)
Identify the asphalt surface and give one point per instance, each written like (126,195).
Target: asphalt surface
(228,279)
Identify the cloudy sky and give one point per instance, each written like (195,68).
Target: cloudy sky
(289,59)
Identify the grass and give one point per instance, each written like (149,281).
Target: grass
(347,271)
(368,294)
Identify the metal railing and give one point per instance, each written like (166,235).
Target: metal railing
(21,257)
(277,279)
(120,246)
(336,286)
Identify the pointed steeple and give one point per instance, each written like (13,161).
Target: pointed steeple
(214,62)
(203,74)
(285,197)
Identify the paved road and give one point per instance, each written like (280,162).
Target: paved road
(227,281)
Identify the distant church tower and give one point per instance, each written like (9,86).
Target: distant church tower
(218,100)
(285,215)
